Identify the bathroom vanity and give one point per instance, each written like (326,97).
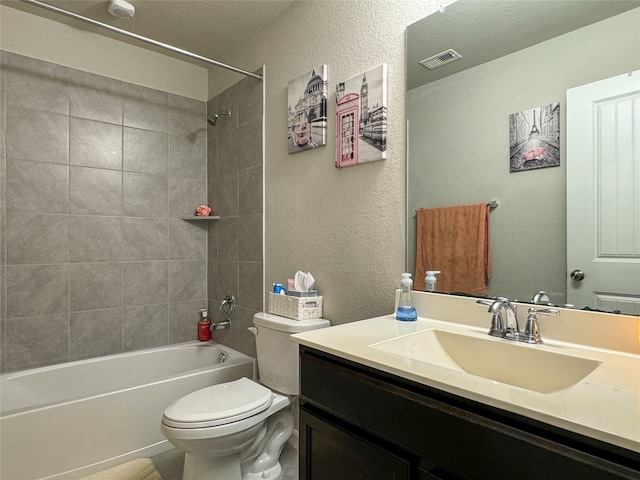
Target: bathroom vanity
(373,405)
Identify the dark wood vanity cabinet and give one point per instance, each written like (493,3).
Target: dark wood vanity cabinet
(358,423)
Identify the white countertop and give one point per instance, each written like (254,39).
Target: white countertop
(605,405)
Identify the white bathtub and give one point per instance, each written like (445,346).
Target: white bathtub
(67,421)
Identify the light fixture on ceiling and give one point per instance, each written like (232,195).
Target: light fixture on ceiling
(121,9)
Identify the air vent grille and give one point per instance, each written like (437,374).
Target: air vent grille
(440,59)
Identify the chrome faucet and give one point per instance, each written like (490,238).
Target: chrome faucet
(506,326)
(538,297)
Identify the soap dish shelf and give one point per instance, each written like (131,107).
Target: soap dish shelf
(201,218)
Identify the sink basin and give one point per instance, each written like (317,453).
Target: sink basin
(525,366)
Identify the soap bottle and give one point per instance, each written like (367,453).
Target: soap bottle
(406,311)
(204,326)
(430,280)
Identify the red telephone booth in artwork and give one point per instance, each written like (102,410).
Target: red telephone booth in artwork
(348,113)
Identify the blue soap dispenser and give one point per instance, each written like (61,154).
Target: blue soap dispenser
(406,311)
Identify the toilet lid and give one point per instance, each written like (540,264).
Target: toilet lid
(222,403)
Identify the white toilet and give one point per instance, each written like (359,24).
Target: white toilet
(236,430)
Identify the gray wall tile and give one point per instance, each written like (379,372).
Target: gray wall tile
(95,97)
(228,239)
(250,238)
(185,116)
(227,277)
(93,191)
(188,156)
(250,185)
(145,151)
(145,326)
(145,283)
(248,152)
(228,152)
(145,238)
(250,291)
(250,104)
(187,280)
(95,285)
(95,144)
(37,187)
(36,135)
(95,239)
(224,194)
(183,320)
(185,195)
(95,333)
(145,108)
(234,184)
(36,84)
(246,339)
(187,240)
(212,155)
(145,195)
(81,252)
(34,238)
(212,279)
(37,290)
(37,341)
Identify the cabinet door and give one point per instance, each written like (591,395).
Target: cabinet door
(328,452)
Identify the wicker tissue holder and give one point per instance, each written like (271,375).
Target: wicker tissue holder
(297,308)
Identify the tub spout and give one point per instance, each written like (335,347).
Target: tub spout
(221,325)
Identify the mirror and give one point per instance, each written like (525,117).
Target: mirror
(516,56)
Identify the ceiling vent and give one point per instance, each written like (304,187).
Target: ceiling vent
(440,59)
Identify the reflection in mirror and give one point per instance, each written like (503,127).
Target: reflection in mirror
(515,56)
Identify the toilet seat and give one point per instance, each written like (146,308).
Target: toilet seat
(218,405)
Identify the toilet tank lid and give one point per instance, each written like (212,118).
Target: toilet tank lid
(283,324)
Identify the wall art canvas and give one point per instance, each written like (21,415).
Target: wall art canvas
(534,138)
(361,118)
(307,115)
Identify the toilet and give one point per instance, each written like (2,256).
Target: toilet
(237,430)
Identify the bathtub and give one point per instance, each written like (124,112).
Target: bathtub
(67,421)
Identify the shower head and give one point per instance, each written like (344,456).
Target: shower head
(213,119)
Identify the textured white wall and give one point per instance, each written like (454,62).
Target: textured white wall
(346,226)
(55,42)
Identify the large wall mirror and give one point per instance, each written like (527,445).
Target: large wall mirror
(516,56)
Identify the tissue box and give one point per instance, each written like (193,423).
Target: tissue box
(297,308)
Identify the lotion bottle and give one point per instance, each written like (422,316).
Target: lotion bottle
(406,311)
(430,280)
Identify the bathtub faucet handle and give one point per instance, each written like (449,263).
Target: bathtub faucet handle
(228,303)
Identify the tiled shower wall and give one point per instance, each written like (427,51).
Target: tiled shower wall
(96,174)
(235,187)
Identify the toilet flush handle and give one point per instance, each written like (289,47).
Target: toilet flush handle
(253,330)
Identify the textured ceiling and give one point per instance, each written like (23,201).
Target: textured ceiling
(209,28)
(483,30)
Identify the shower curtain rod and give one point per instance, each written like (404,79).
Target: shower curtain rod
(141,38)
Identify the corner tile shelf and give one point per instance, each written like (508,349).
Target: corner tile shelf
(201,218)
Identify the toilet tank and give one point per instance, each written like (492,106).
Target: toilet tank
(278,363)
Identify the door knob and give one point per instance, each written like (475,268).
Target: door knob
(577,275)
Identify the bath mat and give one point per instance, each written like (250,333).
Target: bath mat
(138,469)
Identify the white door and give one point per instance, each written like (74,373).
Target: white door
(603,194)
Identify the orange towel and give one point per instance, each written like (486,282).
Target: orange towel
(454,240)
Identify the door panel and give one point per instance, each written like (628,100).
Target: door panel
(603,194)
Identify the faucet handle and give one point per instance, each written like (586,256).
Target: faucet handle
(532,329)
